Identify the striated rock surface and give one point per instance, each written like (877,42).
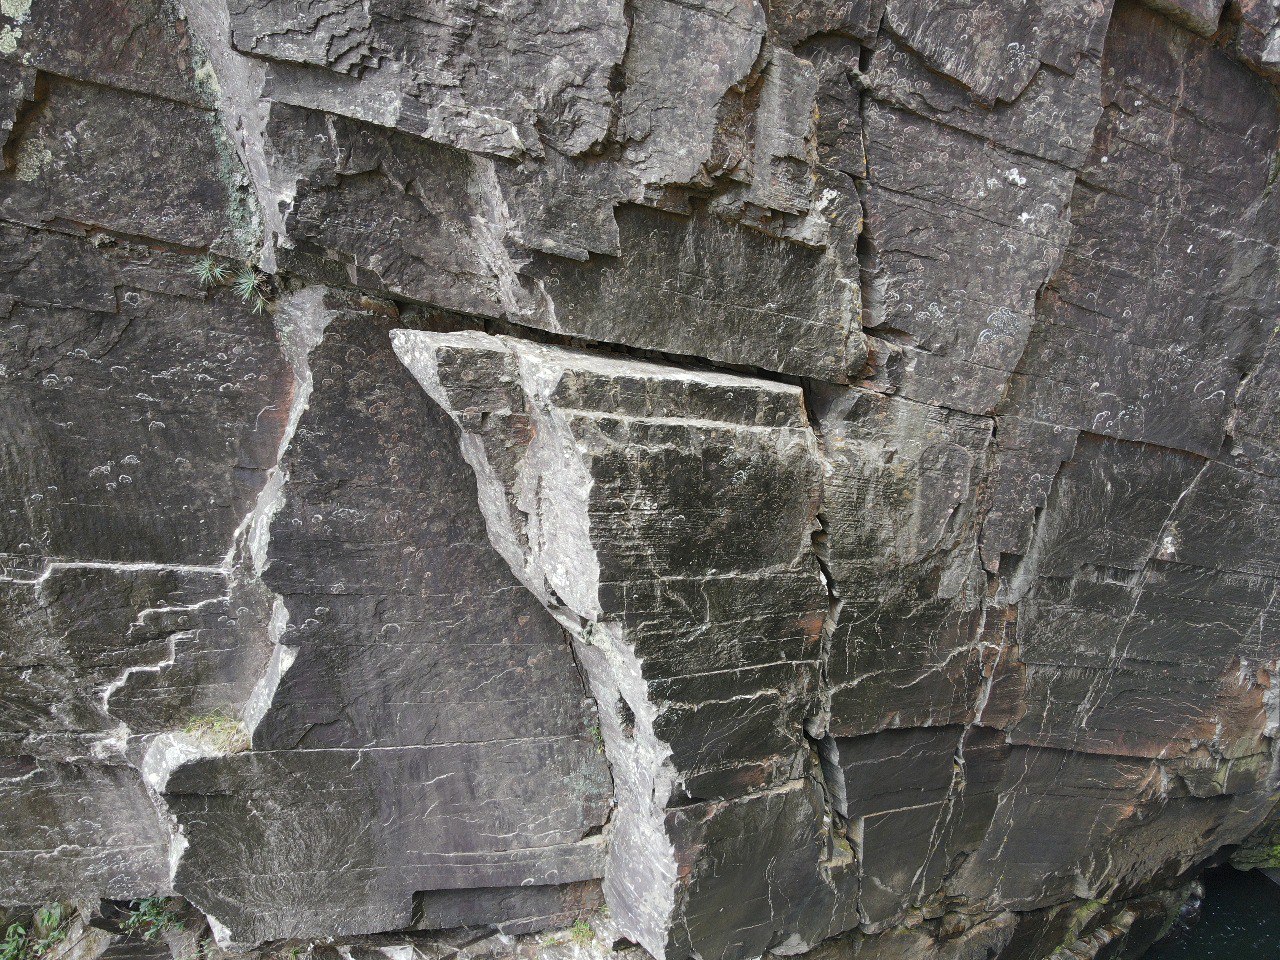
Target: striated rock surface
(578,480)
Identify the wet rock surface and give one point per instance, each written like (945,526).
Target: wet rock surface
(689,479)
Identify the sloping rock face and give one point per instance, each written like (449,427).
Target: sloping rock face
(737,478)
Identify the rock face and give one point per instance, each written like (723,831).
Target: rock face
(749,478)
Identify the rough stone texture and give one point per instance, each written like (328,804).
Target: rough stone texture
(711,478)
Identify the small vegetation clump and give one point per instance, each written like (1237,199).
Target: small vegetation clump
(48,929)
(210,272)
(1252,858)
(581,932)
(151,917)
(249,284)
(223,733)
(251,287)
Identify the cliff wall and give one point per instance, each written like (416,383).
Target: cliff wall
(713,477)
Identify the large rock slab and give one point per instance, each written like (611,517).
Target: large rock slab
(706,287)
(1172,246)
(421,682)
(666,517)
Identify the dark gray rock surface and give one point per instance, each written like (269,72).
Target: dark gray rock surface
(570,480)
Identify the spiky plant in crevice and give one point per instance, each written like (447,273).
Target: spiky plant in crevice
(209,272)
(249,283)
(251,287)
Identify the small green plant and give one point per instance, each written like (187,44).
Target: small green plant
(248,283)
(224,733)
(151,917)
(581,933)
(209,272)
(1254,857)
(48,929)
(14,944)
(251,287)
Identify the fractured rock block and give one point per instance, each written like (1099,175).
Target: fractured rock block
(161,399)
(667,114)
(341,839)
(901,527)
(787,893)
(109,159)
(114,650)
(383,210)
(511,909)
(89,827)
(1173,244)
(665,516)
(609,483)
(918,801)
(143,46)
(994,50)
(703,286)
(1202,16)
(429,730)
(1055,806)
(497,78)
(1258,34)
(956,262)
(1137,618)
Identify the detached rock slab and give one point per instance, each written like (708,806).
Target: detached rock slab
(665,517)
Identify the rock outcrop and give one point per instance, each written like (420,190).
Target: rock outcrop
(634,477)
